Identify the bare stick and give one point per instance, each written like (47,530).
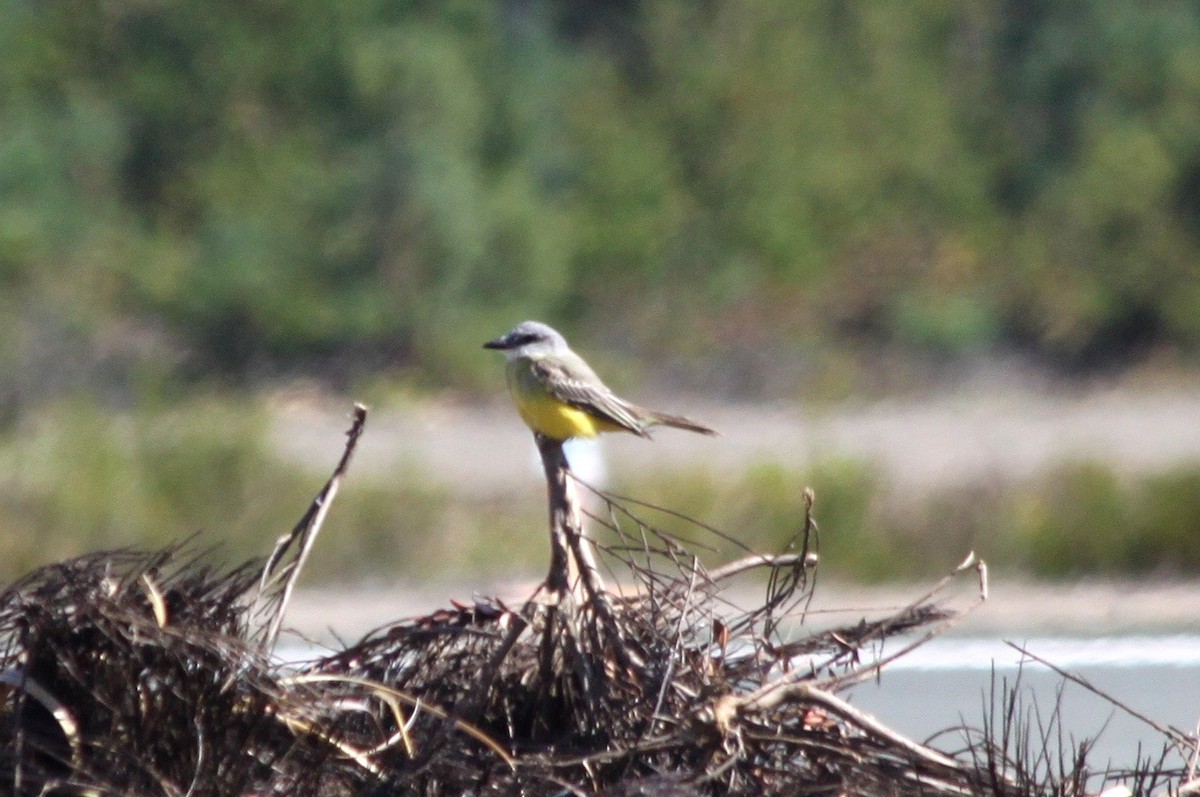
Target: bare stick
(765,700)
(1194,759)
(677,650)
(573,569)
(1181,740)
(384,691)
(753,561)
(572,562)
(276,571)
(564,514)
(872,670)
(17,679)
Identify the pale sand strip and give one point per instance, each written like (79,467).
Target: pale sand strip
(945,440)
(1014,609)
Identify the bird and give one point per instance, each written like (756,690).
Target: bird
(559,396)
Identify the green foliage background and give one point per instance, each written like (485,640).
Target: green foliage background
(249,189)
(260,186)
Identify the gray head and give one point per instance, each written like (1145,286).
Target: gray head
(529,339)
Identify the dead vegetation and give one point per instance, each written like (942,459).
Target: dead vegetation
(152,674)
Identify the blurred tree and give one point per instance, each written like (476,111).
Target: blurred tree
(1099,104)
(259,186)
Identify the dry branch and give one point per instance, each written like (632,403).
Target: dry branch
(1187,744)
(279,573)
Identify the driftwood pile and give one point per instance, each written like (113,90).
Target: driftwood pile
(153,674)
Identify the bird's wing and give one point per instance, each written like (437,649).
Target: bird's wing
(576,384)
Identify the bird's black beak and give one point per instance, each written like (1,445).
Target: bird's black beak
(501,342)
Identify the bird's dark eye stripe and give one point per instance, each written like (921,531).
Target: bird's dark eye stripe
(528,337)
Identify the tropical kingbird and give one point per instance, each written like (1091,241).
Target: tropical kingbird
(559,396)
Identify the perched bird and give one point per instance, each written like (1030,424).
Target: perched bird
(559,396)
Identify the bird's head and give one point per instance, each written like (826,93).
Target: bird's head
(529,339)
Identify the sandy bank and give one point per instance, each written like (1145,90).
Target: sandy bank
(1013,609)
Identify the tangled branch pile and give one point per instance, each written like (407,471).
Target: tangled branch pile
(150,674)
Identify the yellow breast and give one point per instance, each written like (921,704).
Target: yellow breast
(557,420)
(545,414)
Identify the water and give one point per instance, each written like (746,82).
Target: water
(948,682)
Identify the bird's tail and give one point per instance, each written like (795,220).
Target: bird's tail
(679,422)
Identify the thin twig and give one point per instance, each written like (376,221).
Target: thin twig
(1182,741)
(62,715)
(755,561)
(768,698)
(871,671)
(305,533)
(414,701)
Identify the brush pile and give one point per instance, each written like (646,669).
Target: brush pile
(152,674)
